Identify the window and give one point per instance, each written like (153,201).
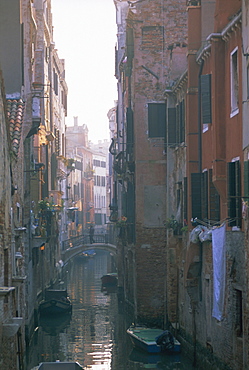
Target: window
(196,195)
(234,193)
(171,138)
(55,75)
(246,180)
(102,181)
(214,200)
(57,141)
(234,82)
(206,108)
(156,119)
(185,199)
(247,72)
(205,197)
(182,122)
(96,163)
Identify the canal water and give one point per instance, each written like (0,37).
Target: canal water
(95,334)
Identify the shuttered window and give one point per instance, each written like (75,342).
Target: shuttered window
(185,198)
(182,122)
(234,193)
(129,132)
(130,211)
(246,180)
(214,200)
(156,119)
(53,171)
(205,198)
(206,99)
(204,195)
(176,126)
(171,127)
(196,181)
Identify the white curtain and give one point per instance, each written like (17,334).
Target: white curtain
(219,270)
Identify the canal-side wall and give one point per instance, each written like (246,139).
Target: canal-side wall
(211,339)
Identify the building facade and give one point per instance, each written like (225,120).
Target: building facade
(181,146)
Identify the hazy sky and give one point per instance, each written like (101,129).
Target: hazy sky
(85,36)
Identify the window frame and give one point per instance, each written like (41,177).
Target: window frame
(234,82)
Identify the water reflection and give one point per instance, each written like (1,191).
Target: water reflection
(95,334)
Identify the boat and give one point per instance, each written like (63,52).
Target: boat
(110,279)
(59,366)
(54,324)
(56,302)
(153,340)
(87,254)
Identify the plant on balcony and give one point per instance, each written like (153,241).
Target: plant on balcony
(44,205)
(122,222)
(171,223)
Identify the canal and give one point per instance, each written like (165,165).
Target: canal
(95,334)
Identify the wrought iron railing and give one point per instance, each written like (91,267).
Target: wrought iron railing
(85,239)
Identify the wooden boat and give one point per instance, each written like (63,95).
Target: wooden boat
(59,366)
(110,279)
(55,324)
(153,340)
(56,302)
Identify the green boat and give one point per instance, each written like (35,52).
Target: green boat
(153,340)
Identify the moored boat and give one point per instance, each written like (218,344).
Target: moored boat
(58,366)
(56,302)
(110,279)
(153,340)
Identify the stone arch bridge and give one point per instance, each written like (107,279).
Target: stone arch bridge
(76,245)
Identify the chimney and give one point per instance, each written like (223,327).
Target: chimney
(76,122)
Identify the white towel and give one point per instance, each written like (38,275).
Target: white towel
(219,270)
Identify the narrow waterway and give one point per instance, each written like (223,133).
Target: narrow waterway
(95,335)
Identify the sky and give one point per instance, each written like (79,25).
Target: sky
(85,36)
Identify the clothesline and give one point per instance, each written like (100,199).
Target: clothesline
(211,223)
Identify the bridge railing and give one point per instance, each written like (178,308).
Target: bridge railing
(76,241)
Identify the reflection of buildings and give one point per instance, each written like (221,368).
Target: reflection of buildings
(92,327)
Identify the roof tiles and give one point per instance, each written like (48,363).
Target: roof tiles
(15,111)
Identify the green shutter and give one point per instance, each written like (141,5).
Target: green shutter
(185,198)
(182,122)
(53,171)
(238,194)
(231,192)
(171,127)
(130,212)
(156,119)
(196,182)
(246,180)
(206,99)
(178,118)
(129,131)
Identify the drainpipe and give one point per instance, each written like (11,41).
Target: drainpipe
(199,120)
(200,159)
